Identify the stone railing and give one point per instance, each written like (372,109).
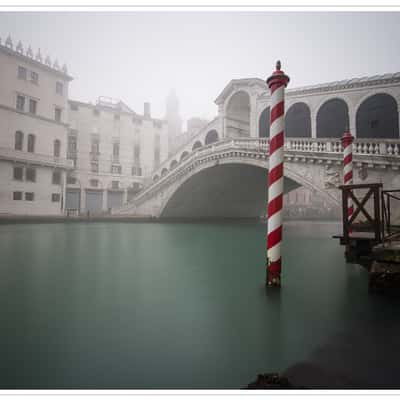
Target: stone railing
(35,158)
(260,146)
(384,147)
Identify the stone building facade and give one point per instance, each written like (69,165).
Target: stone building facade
(113,149)
(62,156)
(34,126)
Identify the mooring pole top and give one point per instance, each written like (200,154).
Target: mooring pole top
(278,77)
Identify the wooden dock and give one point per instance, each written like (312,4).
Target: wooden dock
(373,240)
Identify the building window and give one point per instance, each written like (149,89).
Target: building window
(32,106)
(56,179)
(57,114)
(94,167)
(116,169)
(96,112)
(71,180)
(17,195)
(73,107)
(55,197)
(30,174)
(117,117)
(136,171)
(115,184)
(18,173)
(20,103)
(72,147)
(31,143)
(116,151)
(56,148)
(34,77)
(95,145)
(22,73)
(94,183)
(29,196)
(19,140)
(59,88)
(136,153)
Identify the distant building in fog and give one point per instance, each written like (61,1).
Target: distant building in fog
(113,149)
(174,121)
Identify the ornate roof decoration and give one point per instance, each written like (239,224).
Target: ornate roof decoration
(19,48)
(9,42)
(29,52)
(38,56)
(37,59)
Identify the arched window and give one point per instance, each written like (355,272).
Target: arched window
(197,145)
(211,137)
(377,117)
(184,155)
(238,115)
(19,140)
(31,143)
(263,124)
(57,148)
(173,164)
(298,121)
(164,172)
(155,178)
(332,119)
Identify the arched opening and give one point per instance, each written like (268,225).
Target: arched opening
(298,121)
(211,137)
(19,140)
(377,117)
(164,172)
(184,155)
(197,145)
(57,148)
(173,164)
(263,124)
(332,119)
(155,178)
(238,115)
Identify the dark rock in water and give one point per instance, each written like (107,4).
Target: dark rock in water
(272,382)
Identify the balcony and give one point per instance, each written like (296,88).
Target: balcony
(35,158)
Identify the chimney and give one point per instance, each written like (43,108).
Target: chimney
(147,112)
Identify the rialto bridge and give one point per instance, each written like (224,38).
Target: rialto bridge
(221,171)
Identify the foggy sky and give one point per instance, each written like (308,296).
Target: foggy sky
(140,56)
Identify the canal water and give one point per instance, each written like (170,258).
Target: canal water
(182,306)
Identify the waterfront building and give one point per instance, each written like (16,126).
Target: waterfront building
(113,150)
(34,125)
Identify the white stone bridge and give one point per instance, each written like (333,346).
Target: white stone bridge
(222,170)
(228,178)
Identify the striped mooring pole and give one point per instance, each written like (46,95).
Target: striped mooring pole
(347,143)
(276,83)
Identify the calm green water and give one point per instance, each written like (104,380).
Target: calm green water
(139,306)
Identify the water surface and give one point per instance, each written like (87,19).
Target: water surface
(168,306)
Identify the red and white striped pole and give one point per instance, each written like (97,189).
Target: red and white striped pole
(347,143)
(276,83)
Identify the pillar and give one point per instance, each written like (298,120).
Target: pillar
(276,83)
(347,143)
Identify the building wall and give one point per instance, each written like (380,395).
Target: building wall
(112,126)
(42,125)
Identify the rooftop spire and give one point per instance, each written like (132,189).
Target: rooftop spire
(29,52)
(19,48)
(9,42)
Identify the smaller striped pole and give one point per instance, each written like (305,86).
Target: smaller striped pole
(347,143)
(276,83)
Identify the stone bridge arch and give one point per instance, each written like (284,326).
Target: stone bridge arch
(183,195)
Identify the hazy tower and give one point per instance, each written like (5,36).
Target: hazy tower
(174,119)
